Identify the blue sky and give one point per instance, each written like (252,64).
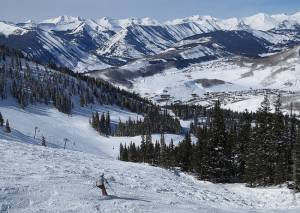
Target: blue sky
(21,10)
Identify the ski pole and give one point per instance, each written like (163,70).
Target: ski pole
(111,188)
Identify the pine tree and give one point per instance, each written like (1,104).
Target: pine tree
(132,153)
(252,164)
(121,151)
(125,154)
(264,145)
(171,154)
(186,152)
(162,155)
(1,120)
(107,121)
(149,148)
(7,127)
(97,121)
(102,124)
(280,141)
(242,144)
(143,150)
(296,162)
(220,163)
(82,100)
(43,141)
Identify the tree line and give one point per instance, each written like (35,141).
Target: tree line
(155,121)
(101,123)
(257,148)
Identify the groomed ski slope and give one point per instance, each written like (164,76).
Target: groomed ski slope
(50,179)
(56,126)
(42,179)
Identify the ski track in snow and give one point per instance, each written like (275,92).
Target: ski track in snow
(39,179)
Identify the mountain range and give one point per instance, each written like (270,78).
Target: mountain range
(193,51)
(85,44)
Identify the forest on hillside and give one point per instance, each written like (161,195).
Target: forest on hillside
(261,148)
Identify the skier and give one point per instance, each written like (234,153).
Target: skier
(100,185)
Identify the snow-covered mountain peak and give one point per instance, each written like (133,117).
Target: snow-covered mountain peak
(109,23)
(119,24)
(194,18)
(261,21)
(280,17)
(137,21)
(229,24)
(296,16)
(29,24)
(8,29)
(62,23)
(64,19)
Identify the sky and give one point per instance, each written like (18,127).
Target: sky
(162,10)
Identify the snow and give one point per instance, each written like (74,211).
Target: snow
(50,179)
(251,104)
(229,24)
(39,179)
(181,84)
(260,21)
(240,79)
(9,29)
(61,23)
(119,24)
(110,38)
(55,126)
(194,18)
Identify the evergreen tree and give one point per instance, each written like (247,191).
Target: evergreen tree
(264,145)
(280,141)
(185,149)
(7,127)
(220,163)
(125,154)
(143,150)
(242,145)
(296,161)
(43,141)
(1,120)
(107,121)
(162,150)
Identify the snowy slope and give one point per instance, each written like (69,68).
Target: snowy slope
(260,21)
(7,29)
(38,179)
(55,126)
(118,24)
(138,41)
